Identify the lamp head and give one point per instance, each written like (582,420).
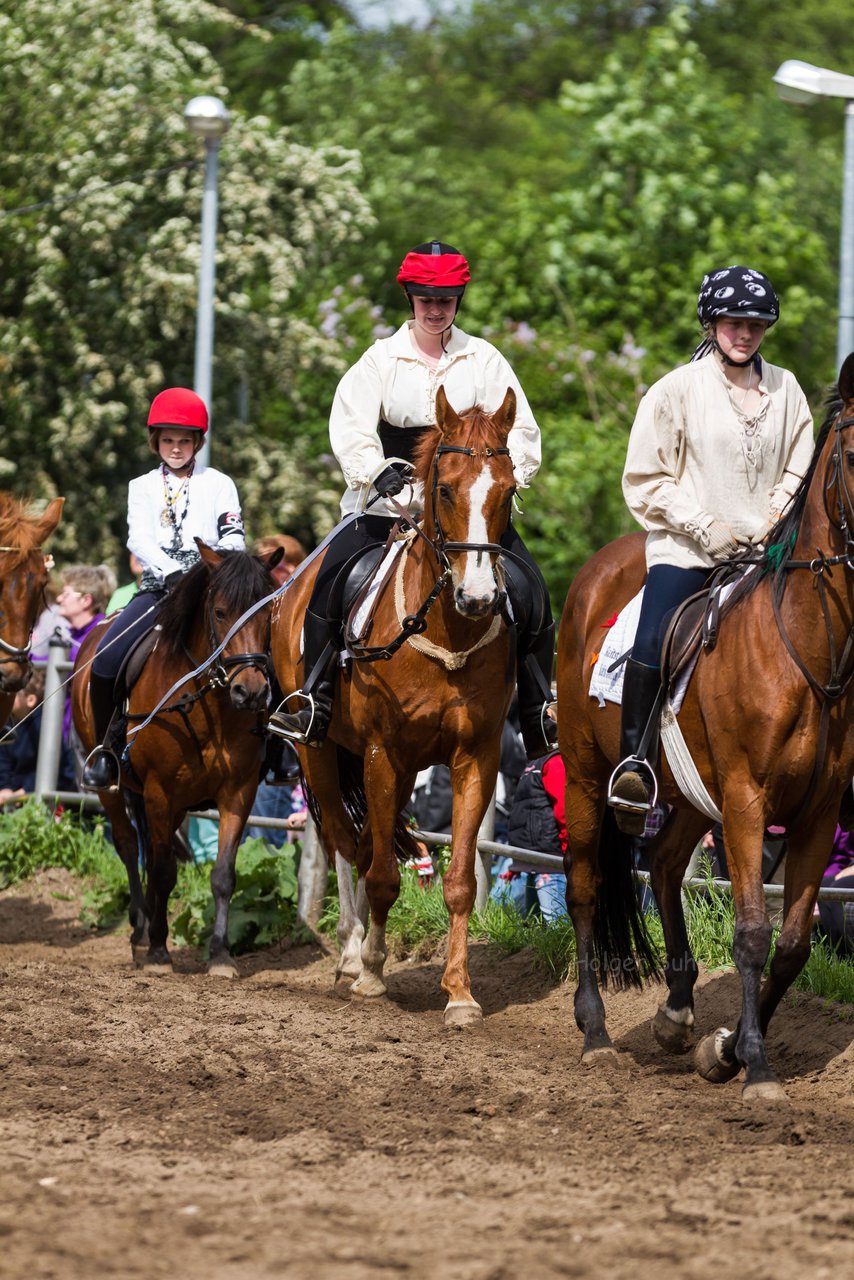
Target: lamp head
(801,82)
(207,116)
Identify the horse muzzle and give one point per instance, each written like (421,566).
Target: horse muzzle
(474,606)
(249,691)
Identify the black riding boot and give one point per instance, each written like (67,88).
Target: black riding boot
(101,771)
(310,721)
(634,784)
(534,663)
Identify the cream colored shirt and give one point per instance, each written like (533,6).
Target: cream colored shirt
(694,457)
(392,382)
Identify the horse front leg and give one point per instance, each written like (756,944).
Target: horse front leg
(670,853)
(162,874)
(585,803)
(806,860)
(234,809)
(352,924)
(720,1056)
(128,846)
(378,875)
(473,782)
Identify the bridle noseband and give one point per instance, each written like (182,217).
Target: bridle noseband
(440,544)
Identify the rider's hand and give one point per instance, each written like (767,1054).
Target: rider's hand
(389,482)
(719,541)
(172,579)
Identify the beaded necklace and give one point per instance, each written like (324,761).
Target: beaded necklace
(169,515)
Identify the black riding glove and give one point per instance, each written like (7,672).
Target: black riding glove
(389,482)
(172,579)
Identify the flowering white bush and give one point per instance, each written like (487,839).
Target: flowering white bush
(99,293)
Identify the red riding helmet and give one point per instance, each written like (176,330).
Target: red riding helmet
(178,407)
(434,270)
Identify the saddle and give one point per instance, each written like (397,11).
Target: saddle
(694,624)
(134,661)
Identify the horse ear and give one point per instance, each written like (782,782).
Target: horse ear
(211,558)
(846,378)
(446,418)
(50,519)
(506,414)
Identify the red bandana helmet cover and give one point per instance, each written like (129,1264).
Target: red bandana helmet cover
(434,270)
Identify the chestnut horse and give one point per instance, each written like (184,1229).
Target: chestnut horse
(23,578)
(205,745)
(767,718)
(440,698)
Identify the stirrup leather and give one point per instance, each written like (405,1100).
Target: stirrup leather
(99,752)
(633,764)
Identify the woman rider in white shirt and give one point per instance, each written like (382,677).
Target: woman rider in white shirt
(167,509)
(382,407)
(717,449)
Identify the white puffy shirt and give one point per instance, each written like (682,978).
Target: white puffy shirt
(687,462)
(393,383)
(213,514)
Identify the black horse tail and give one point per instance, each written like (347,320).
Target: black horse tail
(351,775)
(135,806)
(625,952)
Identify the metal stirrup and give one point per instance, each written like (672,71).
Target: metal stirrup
(633,764)
(294,735)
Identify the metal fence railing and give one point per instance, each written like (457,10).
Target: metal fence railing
(313,869)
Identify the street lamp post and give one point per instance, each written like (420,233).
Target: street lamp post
(209,119)
(802,82)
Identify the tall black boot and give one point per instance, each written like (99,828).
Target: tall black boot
(634,777)
(310,721)
(534,662)
(101,771)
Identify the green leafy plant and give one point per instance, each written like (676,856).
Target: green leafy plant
(263,907)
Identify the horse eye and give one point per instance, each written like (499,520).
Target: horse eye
(445,493)
(220,614)
(849,457)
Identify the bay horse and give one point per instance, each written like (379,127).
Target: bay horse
(767,718)
(441,697)
(23,578)
(205,746)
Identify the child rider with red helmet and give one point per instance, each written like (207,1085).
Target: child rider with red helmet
(167,508)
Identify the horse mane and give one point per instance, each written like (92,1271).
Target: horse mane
(243,579)
(19,528)
(780,542)
(478,432)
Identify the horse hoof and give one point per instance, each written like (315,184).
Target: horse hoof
(460,1014)
(368,987)
(710,1062)
(158,968)
(766,1093)
(674,1034)
(600,1055)
(140,955)
(222,968)
(343,987)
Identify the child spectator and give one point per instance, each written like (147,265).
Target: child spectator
(537,821)
(19,754)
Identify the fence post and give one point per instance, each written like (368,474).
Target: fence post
(313,876)
(483,861)
(53,709)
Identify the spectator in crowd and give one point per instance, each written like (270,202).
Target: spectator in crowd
(19,752)
(537,821)
(86,590)
(835,920)
(50,623)
(122,594)
(294,555)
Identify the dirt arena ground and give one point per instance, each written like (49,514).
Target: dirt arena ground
(184,1127)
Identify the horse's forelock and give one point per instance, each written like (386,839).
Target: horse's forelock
(241,579)
(476,430)
(19,528)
